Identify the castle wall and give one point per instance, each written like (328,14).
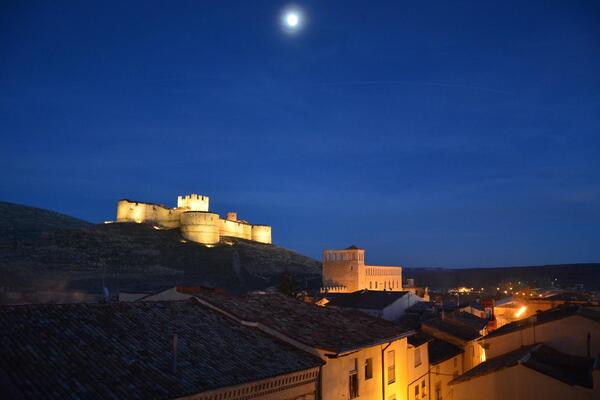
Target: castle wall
(200,226)
(193,202)
(131,211)
(261,233)
(193,218)
(235,228)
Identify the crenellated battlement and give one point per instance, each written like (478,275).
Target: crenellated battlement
(193,202)
(193,218)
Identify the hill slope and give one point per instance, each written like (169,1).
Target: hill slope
(18,222)
(45,254)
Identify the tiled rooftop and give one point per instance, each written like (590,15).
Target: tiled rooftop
(453,328)
(544,359)
(441,351)
(592,313)
(125,351)
(467,319)
(335,330)
(366,299)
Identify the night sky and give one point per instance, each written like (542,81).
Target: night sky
(443,133)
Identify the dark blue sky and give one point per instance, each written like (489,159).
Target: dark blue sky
(431,133)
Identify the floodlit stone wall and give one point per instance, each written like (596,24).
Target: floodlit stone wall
(261,233)
(235,228)
(132,211)
(347,268)
(200,226)
(193,202)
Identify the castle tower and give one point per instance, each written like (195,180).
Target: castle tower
(193,202)
(342,267)
(345,271)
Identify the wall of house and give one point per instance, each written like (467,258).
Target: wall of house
(417,373)
(568,335)
(336,372)
(301,385)
(442,373)
(201,227)
(139,212)
(517,382)
(397,309)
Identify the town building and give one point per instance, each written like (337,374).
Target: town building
(530,372)
(141,350)
(459,334)
(193,218)
(387,305)
(445,364)
(365,357)
(572,329)
(418,367)
(345,271)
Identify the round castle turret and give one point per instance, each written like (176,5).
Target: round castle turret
(200,226)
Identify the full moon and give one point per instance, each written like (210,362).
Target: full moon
(292,19)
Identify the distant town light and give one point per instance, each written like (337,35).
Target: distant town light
(520,311)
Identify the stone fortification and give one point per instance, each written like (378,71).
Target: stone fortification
(193,217)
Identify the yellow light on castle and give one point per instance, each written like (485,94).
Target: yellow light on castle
(520,311)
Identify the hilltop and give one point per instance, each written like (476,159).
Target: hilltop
(563,275)
(46,251)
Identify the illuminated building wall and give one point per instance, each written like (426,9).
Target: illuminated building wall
(193,218)
(345,271)
(200,226)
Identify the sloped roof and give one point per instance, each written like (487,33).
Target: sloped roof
(124,350)
(554,314)
(419,339)
(453,328)
(440,351)
(468,319)
(332,329)
(366,299)
(353,247)
(572,370)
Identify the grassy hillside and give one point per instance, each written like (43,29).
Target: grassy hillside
(43,250)
(19,222)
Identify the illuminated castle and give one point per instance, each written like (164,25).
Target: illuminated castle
(345,271)
(194,220)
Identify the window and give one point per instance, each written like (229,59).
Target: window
(455,362)
(391,362)
(375,285)
(417,392)
(417,357)
(472,351)
(370,285)
(423,389)
(353,380)
(368,368)
(438,391)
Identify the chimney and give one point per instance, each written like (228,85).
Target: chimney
(174,370)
